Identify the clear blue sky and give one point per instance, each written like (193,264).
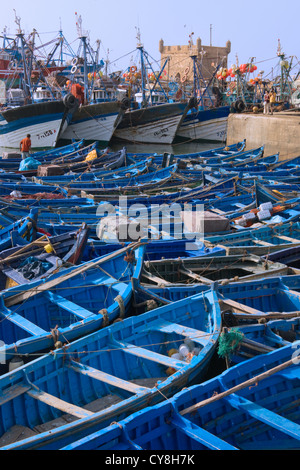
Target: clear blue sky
(253,26)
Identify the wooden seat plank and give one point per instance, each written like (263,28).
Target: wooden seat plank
(150,355)
(266,416)
(198,336)
(13,392)
(70,306)
(104,377)
(61,405)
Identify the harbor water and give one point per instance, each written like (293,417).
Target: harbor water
(175,149)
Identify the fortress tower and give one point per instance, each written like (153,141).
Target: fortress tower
(180,62)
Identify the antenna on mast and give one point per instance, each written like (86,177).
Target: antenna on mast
(18,21)
(138,37)
(78,24)
(279,51)
(81,32)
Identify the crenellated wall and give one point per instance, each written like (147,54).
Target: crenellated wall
(180,58)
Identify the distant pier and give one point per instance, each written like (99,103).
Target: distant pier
(279,132)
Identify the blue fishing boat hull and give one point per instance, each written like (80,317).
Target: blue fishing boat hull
(241,303)
(151,124)
(25,228)
(69,304)
(259,241)
(263,416)
(224,151)
(26,261)
(241,343)
(122,360)
(208,125)
(43,121)
(155,249)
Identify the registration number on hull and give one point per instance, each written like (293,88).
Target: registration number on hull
(46,134)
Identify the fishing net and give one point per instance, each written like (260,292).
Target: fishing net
(229,341)
(33,267)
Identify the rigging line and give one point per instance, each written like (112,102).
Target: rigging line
(123,56)
(117,281)
(108,350)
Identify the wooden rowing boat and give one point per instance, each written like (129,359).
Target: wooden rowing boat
(21,227)
(25,262)
(206,270)
(241,343)
(259,241)
(251,406)
(241,303)
(109,374)
(68,304)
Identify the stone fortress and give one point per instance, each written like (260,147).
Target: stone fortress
(180,63)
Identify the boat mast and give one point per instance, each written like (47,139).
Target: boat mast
(285,68)
(197,86)
(83,39)
(143,71)
(27,72)
(144,57)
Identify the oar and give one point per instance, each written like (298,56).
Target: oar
(14,299)
(245,384)
(39,241)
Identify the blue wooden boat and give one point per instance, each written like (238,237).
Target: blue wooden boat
(208,269)
(230,204)
(109,374)
(96,174)
(259,241)
(197,195)
(265,173)
(246,156)
(247,173)
(154,221)
(68,304)
(53,223)
(25,227)
(155,249)
(241,303)
(25,261)
(290,163)
(134,183)
(94,160)
(253,163)
(58,205)
(62,150)
(79,159)
(49,155)
(289,256)
(157,227)
(218,198)
(199,192)
(266,194)
(7,188)
(241,343)
(251,406)
(74,163)
(224,151)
